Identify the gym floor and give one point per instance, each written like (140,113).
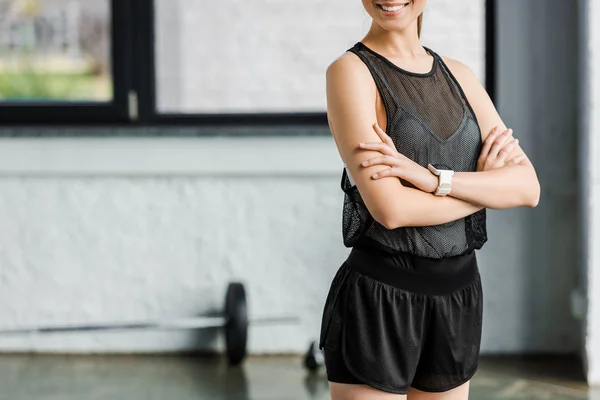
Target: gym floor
(260,378)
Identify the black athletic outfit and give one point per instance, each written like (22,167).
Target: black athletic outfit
(405,308)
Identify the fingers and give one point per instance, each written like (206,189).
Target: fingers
(386,146)
(489,140)
(506,151)
(383,136)
(380,147)
(386,172)
(499,143)
(516,160)
(384,160)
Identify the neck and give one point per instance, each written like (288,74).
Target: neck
(403,43)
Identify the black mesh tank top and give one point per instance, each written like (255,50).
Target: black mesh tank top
(430,121)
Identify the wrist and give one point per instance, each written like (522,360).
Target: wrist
(443,175)
(433,182)
(428,181)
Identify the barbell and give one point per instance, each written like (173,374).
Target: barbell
(234,321)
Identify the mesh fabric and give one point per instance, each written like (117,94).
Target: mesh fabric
(430,121)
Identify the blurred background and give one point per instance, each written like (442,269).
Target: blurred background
(152,151)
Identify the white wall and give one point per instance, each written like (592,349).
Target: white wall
(270,56)
(121,229)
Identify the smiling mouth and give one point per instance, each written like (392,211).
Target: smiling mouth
(391,7)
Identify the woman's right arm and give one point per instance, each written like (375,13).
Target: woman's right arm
(351,99)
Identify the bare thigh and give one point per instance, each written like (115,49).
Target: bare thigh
(459,393)
(342,391)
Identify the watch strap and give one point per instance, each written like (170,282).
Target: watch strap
(445,182)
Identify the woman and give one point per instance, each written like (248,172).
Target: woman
(425,153)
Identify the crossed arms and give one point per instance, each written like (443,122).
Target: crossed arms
(505,177)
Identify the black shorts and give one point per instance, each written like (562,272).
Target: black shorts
(393,323)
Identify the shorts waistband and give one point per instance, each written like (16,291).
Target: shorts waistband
(416,274)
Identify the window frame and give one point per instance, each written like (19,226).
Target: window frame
(134,84)
(85,112)
(491,46)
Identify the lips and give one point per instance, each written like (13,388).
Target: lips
(390,7)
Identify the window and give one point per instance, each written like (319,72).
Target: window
(55,51)
(61,61)
(189,61)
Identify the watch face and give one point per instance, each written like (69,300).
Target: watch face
(441,166)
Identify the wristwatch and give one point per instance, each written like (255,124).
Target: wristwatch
(445,179)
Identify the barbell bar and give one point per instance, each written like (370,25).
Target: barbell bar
(234,322)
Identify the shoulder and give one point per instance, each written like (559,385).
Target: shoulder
(349,83)
(468,81)
(461,71)
(348,68)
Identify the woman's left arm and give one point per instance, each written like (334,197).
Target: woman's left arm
(506,187)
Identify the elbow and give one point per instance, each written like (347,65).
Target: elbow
(392,222)
(532,199)
(526,198)
(533,190)
(389,221)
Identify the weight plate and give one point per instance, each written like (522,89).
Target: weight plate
(236,327)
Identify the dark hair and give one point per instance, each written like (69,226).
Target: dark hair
(419,24)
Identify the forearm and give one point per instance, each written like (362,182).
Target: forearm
(501,188)
(498,188)
(424,209)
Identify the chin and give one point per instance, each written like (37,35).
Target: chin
(394,14)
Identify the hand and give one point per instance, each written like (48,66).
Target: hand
(496,149)
(400,165)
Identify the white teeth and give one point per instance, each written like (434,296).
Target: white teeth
(393,8)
